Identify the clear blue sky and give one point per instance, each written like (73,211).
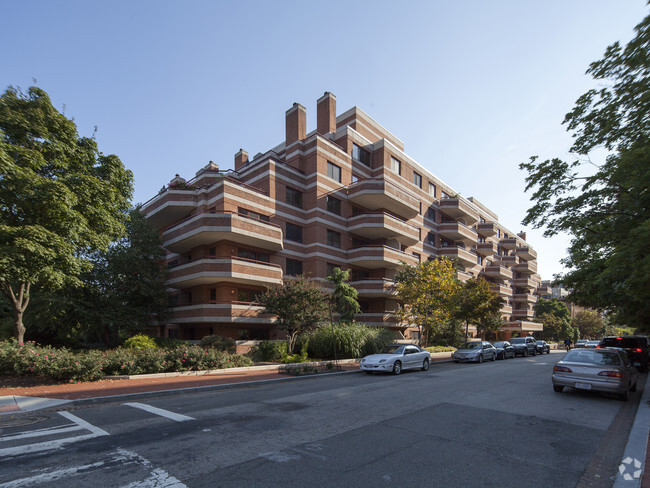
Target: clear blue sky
(473,88)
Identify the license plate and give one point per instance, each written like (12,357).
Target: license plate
(583,386)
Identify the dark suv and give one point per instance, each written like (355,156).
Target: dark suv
(635,346)
(524,346)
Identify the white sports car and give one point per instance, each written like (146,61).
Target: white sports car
(395,358)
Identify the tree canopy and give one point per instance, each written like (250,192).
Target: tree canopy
(556,318)
(60,198)
(604,206)
(476,303)
(343,300)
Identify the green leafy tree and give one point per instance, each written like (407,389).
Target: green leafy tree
(491,323)
(556,318)
(60,199)
(344,299)
(298,305)
(589,324)
(427,291)
(604,207)
(476,303)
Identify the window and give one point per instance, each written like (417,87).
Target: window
(355,178)
(254,255)
(294,268)
(334,171)
(417,256)
(252,214)
(213,294)
(432,190)
(331,267)
(358,275)
(431,239)
(294,197)
(294,233)
(431,214)
(246,295)
(479,259)
(417,179)
(360,154)
(213,251)
(396,165)
(333,205)
(445,195)
(333,238)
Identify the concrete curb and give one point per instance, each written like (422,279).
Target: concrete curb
(637,443)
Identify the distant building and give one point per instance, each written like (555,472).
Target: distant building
(344,195)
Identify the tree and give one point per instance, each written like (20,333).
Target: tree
(298,305)
(604,207)
(589,323)
(476,303)
(343,300)
(60,199)
(427,291)
(490,323)
(556,318)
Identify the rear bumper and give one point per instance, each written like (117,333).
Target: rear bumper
(596,385)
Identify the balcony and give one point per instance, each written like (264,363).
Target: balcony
(215,312)
(379,319)
(380,194)
(527,268)
(506,309)
(526,253)
(381,225)
(486,229)
(208,228)
(229,269)
(455,231)
(486,249)
(458,208)
(374,257)
(498,272)
(375,287)
(510,243)
(543,290)
(523,314)
(503,290)
(508,261)
(525,298)
(169,206)
(524,283)
(462,255)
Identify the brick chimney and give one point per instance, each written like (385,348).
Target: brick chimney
(326,114)
(296,124)
(241,159)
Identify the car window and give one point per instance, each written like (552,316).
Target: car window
(471,345)
(499,344)
(517,340)
(393,350)
(626,342)
(605,358)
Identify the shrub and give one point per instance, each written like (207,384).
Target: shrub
(140,341)
(272,350)
(440,349)
(352,340)
(219,343)
(169,343)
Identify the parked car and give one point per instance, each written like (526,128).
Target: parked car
(475,351)
(606,370)
(580,343)
(592,343)
(636,348)
(524,345)
(396,358)
(543,347)
(504,349)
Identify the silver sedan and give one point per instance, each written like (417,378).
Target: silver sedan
(605,370)
(396,358)
(474,351)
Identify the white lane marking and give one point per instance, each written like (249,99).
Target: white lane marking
(40,433)
(157,479)
(159,411)
(95,430)
(52,476)
(57,444)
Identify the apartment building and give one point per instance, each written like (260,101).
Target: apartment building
(344,195)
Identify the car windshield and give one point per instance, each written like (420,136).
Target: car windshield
(605,358)
(471,345)
(499,344)
(517,340)
(393,350)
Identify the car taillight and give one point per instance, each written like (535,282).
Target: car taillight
(562,369)
(612,374)
(638,350)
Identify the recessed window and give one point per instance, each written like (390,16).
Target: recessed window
(360,154)
(334,171)
(333,238)
(253,255)
(252,214)
(331,267)
(431,239)
(246,295)
(213,294)
(417,256)
(333,205)
(294,268)
(445,195)
(432,190)
(294,197)
(431,214)
(294,233)
(395,165)
(417,179)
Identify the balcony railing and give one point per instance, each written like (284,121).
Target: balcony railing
(459,209)
(214,311)
(526,252)
(486,229)
(524,283)
(457,231)
(527,268)
(462,255)
(379,319)
(381,225)
(509,243)
(208,228)
(497,271)
(231,269)
(486,249)
(378,194)
(377,287)
(374,257)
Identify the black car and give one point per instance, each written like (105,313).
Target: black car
(635,346)
(504,349)
(543,347)
(524,346)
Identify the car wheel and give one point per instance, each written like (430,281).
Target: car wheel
(625,396)
(480,358)
(397,367)
(525,354)
(455,360)
(535,352)
(425,365)
(549,351)
(368,372)
(494,356)
(558,388)
(633,389)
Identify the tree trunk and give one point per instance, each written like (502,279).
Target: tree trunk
(18,304)
(19,328)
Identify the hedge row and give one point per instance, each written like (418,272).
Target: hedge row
(65,365)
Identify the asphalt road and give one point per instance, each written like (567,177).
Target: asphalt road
(457,425)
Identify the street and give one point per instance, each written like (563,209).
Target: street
(470,425)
